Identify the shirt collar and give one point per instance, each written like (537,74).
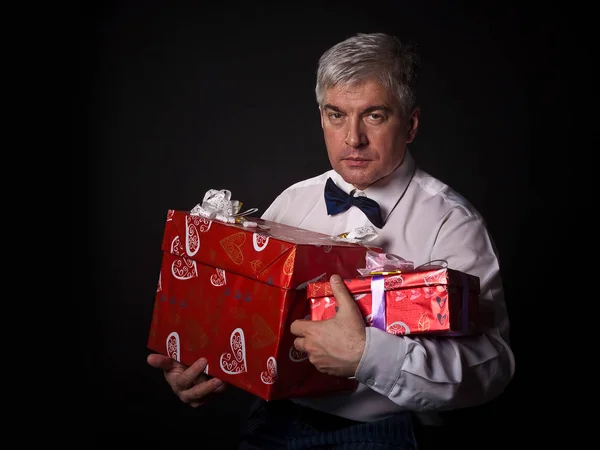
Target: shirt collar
(388,190)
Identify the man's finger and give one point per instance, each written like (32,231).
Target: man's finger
(299,344)
(188,378)
(298,327)
(196,395)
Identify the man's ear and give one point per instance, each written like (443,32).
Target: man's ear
(413,125)
(321,114)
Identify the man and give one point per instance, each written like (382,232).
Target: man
(366,92)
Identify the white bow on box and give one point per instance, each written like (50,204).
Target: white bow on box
(358,235)
(217,205)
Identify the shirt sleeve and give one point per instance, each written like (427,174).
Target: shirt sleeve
(426,373)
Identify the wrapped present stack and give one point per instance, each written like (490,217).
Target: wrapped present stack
(229,287)
(394,296)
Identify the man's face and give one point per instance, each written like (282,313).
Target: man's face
(365,131)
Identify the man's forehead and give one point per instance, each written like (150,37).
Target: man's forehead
(361,94)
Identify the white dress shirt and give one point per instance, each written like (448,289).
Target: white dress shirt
(425,220)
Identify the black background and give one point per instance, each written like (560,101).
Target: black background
(175,99)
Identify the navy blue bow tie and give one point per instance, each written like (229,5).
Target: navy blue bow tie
(338,201)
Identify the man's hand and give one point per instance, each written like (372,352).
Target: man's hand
(190,384)
(334,346)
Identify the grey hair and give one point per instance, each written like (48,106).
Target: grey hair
(381,56)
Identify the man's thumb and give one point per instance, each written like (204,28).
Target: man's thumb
(160,361)
(343,297)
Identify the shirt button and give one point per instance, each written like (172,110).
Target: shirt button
(371,382)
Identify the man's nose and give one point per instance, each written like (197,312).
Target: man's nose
(355,136)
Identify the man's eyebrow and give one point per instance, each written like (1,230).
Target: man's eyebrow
(368,110)
(384,108)
(332,107)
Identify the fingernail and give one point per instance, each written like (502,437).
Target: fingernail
(216,382)
(335,279)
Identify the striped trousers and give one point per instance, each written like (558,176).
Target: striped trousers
(282,424)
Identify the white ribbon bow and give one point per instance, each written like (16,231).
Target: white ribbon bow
(217,205)
(358,235)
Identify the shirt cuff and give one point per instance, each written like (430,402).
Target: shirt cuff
(382,359)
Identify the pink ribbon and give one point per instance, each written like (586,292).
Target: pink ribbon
(385,264)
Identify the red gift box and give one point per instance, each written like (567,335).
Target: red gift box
(439,301)
(229,293)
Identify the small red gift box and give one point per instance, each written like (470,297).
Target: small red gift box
(439,301)
(228,292)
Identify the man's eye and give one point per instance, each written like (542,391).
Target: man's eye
(335,116)
(375,116)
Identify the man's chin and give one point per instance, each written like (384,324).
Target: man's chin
(358,179)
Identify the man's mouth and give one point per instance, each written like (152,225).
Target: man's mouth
(356,162)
